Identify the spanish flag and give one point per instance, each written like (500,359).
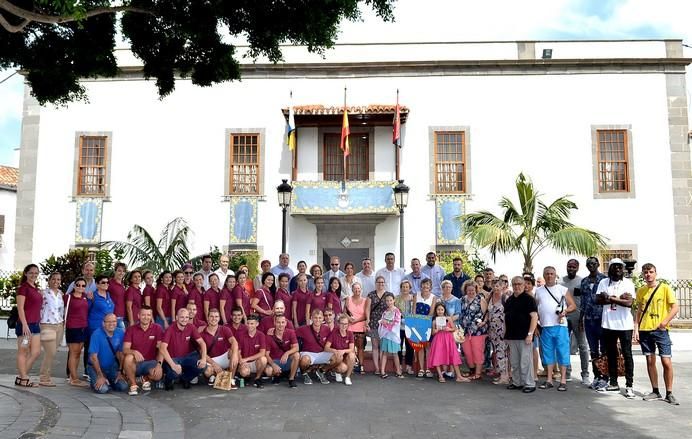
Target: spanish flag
(291,130)
(396,129)
(345,132)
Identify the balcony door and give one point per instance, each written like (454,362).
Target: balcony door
(357,165)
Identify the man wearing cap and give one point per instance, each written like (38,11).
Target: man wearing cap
(616,294)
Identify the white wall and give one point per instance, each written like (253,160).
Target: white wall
(168,156)
(8,207)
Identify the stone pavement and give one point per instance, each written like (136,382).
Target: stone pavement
(371,408)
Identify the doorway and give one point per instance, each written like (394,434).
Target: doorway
(354,255)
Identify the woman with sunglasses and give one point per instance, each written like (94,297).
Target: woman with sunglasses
(76,329)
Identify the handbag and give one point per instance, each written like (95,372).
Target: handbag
(601,364)
(224,380)
(459,335)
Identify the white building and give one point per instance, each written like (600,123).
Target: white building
(8,208)
(604,121)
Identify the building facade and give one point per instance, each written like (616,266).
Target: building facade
(8,208)
(603,121)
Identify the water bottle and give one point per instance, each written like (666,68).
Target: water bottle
(25,341)
(242,383)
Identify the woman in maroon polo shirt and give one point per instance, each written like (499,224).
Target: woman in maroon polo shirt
(226,302)
(76,328)
(163,304)
(212,297)
(133,297)
(28,330)
(149,292)
(222,348)
(283,295)
(196,294)
(263,301)
(334,296)
(300,299)
(116,288)
(179,293)
(318,298)
(241,296)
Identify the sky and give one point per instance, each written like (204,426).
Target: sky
(462,20)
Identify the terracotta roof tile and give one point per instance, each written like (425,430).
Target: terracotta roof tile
(8,176)
(356,109)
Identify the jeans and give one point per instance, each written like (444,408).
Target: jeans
(594,336)
(611,342)
(189,364)
(111,374)
(573,326)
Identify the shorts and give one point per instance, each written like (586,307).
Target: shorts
(76,335)
(223,361)
(284,367)
(35,329)
(318,357)
(388,346)
(143,367)
(555,345)
(659,338)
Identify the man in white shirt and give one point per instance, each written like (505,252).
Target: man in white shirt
(223,270)
(415,276)
(366,277)
(392,275)
(282,266)
(554,303)
(334,270)
(616,294)
(434,272)
(206,270)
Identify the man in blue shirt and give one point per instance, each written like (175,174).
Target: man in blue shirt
(590,316)
(415,276)
(457,277)
(434,272)
(105,357)
(88,275)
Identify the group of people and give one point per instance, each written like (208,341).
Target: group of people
(136,332)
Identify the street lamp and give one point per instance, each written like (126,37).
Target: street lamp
(401,201)
(284,191)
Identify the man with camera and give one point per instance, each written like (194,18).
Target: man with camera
(616,294)
(554,303)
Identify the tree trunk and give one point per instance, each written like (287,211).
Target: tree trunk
(528,264)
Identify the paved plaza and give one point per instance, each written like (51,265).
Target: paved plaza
(371,408)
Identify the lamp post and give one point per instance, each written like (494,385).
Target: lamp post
(284,191)
(401,201)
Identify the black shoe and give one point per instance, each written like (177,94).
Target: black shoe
(292,384)
(258,384)
(169,385)
(528,389)
(276,380)
(515,387)
(186,384)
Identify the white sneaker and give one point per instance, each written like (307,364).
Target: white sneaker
(347,381)
(629,393)
(338,377)
(585,381)
(195,380)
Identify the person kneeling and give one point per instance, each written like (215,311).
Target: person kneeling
(222,349)
(283,356)
(181,361)
(140,349)
(341,343)
(313,355)
(253,350)
(105,355)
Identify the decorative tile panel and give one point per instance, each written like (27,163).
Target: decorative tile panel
(243,220)
(447,209)
(88,224)
(331,198)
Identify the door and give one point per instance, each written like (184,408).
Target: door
(354,255)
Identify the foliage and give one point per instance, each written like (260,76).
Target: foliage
(250,258)
(57,42)
(530,227)
(215,254)
(471,265)
(141,250)
(68,265)
(9,285)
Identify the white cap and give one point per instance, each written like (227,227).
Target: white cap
(616,261)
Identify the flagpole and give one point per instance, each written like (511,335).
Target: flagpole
(343,183)
(396,147)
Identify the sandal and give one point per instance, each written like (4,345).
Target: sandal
(562,387)
(362,371)
(421,374)
(441,379)
(46,383)
(384,376)
(24,382)
(546,385)
(410,371)
(78,383)
(400,375)
(428,373)
(475,377)
(462,379)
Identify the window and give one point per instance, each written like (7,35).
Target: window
(357,161)
(613,166)
(609,254)
(244,164)
(449,162)
(2,224)
(92,166)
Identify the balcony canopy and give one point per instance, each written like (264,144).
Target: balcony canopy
(372,115)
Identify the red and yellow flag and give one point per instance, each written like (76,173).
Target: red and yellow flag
(345,132)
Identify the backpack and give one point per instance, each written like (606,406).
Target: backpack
(13,318)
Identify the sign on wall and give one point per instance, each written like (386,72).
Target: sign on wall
(88,224)
(447,209)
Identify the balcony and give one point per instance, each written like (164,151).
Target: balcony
(323,198)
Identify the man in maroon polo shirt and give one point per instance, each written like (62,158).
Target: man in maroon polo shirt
(181,360)
(222,348)
(313,355)
(342,344)
(141,351)
(236,326)
(267,323)
(253,351)
(283,356)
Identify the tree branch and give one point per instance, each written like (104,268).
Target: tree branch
(30,16)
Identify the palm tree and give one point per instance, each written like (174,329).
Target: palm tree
(141,250)
(530,228)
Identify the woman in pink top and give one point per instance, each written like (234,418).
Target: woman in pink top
(28,330)
(133,297)
(355,308)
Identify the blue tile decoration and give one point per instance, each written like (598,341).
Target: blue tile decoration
(88,224)
(328,198)
(243,220)
(448,208)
